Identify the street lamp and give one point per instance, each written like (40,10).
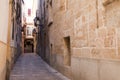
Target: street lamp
(37,21)
(37,24)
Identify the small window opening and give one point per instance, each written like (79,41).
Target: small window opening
(67,54)
(13,30)
(51,3)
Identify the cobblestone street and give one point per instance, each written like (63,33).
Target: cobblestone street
(32,67)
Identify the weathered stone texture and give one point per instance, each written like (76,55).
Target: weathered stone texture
(88,23)
(3,51)
(93,28)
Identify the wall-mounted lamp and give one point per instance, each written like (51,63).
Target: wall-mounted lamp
(36,21)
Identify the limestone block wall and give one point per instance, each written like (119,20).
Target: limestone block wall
(93,28)
(3,48)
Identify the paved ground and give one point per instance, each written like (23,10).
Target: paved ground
(32,67)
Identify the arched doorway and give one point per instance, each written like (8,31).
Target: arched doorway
(28,46)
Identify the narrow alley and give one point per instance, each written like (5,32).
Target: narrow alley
(59,39)
(31,67)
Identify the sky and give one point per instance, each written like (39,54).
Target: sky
(28,3)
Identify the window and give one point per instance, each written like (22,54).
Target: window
(51,48)
(67,54)
(51,3)
(29,12)
(13,29)
(29,31)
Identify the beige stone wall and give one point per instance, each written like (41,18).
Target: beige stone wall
(93,27)
(4,9)
(3,51)
(4,14)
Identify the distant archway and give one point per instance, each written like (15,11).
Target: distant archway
(29,46)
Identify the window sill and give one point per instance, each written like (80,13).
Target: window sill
(107,2)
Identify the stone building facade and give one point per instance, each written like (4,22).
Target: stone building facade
(10,35)
(81,38)
(29,39)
